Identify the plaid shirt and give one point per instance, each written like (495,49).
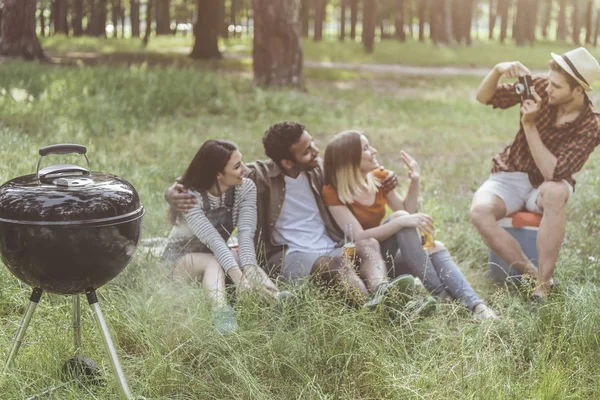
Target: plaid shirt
(571,143)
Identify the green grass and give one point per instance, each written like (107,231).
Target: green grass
(414,53)
(145,124)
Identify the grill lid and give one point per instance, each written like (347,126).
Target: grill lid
(65,194)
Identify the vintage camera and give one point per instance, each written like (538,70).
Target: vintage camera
(525,87)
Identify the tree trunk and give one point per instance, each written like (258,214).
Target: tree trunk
(18,38)
(469,21)
(492,19)
(277,51)
(369,22)
(92,21)
(248,13)
(503,6)
(399,21)
(134,17)
(163,17)
(436,21)
(520,28)
(353,18)
(422,12)
(115,12)
(448,26)
(102,14)
(597,28)
(531,21)
(60,18)
(206,44)
(148,31)
(222,17)
(305,16)
(232,16)
(457,15)
(122,16)
(51,17)
(561,28)
(588,21)
(342,20)
(77,18)
(462,19)
(576,23)
(547,17)
(320,7)
(441,22)
(42,22)
(409,17)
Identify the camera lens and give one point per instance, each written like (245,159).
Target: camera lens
(520,88)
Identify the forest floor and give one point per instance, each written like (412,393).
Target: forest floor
(144,121)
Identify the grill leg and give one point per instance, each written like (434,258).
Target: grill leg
(76,325)
(34,299)
(121,383)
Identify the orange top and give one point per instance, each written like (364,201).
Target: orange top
(368,216)
(525,218)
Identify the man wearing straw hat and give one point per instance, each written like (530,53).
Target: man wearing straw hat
(559,129)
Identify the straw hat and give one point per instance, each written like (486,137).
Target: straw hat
(581,65)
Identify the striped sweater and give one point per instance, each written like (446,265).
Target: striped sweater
(195,223)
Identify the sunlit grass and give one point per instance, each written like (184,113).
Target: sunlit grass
(145,124)
(482,53)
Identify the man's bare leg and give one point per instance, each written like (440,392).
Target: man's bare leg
(337,271)
(372,268)
(486,210)
(552,200)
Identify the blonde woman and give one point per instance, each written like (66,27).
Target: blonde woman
(353,196)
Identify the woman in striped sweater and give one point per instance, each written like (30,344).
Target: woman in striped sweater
(198,241)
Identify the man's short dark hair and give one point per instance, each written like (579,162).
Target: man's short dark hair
(279,138)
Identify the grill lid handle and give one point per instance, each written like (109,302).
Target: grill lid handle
(65,148)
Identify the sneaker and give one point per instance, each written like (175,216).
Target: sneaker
(483,312)
(224,320)
(398,290)
(421,308)
(285,299)
(376,296)
(285,296)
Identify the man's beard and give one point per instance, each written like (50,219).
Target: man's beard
(298,167)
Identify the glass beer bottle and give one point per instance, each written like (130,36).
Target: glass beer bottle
(426,237)
(349,244)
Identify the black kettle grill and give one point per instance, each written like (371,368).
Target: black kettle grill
(68,230)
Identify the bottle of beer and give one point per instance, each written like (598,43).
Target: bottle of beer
(426,237)
(349,244)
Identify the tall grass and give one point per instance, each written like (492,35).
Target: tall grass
(145,124)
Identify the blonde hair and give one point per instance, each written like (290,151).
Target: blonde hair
(342,167)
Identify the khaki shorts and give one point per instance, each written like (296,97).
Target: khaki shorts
(516,191)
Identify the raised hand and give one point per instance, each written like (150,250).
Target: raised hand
(512,69)
(530,109)
(414,173)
